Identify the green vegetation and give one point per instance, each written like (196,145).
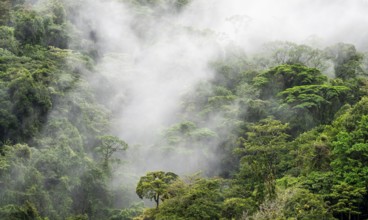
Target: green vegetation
(291,141)
(155,185)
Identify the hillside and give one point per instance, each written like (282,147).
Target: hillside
(138,109)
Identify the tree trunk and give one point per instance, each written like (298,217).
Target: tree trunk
(157,200)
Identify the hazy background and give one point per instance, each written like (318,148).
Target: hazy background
(149,57)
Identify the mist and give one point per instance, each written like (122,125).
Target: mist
(149,57)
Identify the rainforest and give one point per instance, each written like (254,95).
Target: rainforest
(183,109)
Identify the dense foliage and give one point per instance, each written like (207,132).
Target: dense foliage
(291,140)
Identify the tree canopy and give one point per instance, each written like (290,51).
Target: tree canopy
(279,133)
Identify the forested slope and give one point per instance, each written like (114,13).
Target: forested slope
(282,133)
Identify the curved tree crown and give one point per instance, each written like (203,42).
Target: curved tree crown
(154,185)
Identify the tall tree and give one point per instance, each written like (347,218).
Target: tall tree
(107,147)
(261,153)
(154,185)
